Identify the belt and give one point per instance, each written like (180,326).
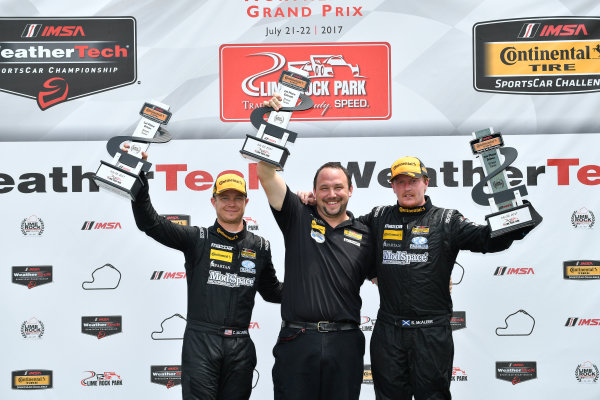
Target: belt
(412,322)
(225,331)
(321,326)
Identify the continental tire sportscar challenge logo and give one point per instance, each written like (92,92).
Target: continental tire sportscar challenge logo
(581,269)
(537,55)
(32,379)
(53,60)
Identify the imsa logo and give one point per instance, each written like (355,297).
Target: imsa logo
(501,271)
(93,225)
(159,275)
(582,322)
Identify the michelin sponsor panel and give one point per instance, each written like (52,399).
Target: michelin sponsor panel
(499,292)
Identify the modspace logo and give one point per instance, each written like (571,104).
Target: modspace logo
(53,60)
(557,55)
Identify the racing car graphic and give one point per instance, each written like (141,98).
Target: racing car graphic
(322,66)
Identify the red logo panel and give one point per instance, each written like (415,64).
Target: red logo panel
(348,80)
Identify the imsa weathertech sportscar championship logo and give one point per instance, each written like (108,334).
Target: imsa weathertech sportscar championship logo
(54,60)
(102,326)
(516,371)
(537,55)
(347,80)
(166,375)
(32,276)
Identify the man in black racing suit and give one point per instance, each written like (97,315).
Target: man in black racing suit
(417,244)
(225,266)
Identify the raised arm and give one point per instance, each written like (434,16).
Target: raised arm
(273,184)
(159,228)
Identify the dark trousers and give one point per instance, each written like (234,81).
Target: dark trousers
(215,367)
(315,365)
(409,362)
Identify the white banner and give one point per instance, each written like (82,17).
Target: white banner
(517,305)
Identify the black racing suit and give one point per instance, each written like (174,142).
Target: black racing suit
(411,347)
(224,270)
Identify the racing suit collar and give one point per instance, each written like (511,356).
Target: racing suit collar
(348,222)
(228,235)
(415,210)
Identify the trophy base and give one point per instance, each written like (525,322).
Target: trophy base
(118,181)
(257,149)
(506,221)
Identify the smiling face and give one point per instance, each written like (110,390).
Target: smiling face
(332,194)
(230,206)
(410,191)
